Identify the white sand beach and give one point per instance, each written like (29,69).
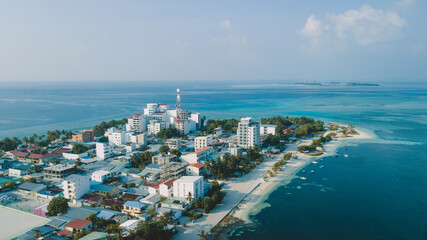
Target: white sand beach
(249,192)
(14,222)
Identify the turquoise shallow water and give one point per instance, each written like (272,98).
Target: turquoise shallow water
(379,192)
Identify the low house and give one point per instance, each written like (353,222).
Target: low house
(154,188)
(98,236)
(88,199)
(41,211)
(102,189)
(130,197)
(100,176)
(195,169)
(165,188)
(129,225)
(133,208)
(76,226)
(32,188)
(20,170)
(17,155)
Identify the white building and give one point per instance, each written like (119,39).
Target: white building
(165,188)
(248,133)
(266,129)
(196,156)
(138,123)
(195,169)
(103,150)
(174,143)
(197,118)
(118,137)
(75,186)
(189,186)
(202,142)
(155,126)
(100,176)
(218,132)
(153,108)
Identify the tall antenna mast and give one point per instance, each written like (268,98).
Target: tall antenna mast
(178,98)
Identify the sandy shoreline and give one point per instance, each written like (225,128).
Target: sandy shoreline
(254,202)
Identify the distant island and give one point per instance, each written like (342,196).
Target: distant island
(338,84)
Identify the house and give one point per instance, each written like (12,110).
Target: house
(198,155)
(195,169)
(85,136)
(266,129)
(76,226)
(20,170)
(218,132)
(31,188)
(100,176)
(102,189)
(75,186)
(88,199)
(163,159)
(189,186)
(129,197)
(203,142)
(59,171)
(165,188)
(17,155)
(98,236)
(173,143)
(154,188)
(133,208)
(110,203)
(129,225)
(42,210)
(45,158)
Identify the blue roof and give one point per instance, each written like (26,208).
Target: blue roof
(152,165)
(134,204)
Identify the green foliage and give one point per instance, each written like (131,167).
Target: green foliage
(141,160)
(164,149)
(225,167)
(318,142)
(31,180)
(176,152)
(58,205)
(99,130)
(281,124)
(113,229)
(228,125)
(149,230)
(99,222)
(103,139)
(308,129)
(10,184)
(81,234)
(79,148)
(272,140)
(166,133)
(214,196)
(8,144)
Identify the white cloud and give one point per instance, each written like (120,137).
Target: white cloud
(405,3)
(226,24)
(365,25)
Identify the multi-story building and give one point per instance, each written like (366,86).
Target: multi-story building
(266,129)
(59,171)
(172,170)
(198,155)
(174,143)
(103,150)
(133,208)
(202,142)
(75,186)
(165,188)
(85,136)
(163,159)
(138,123)
(153,108)
(195,169)
(100,176)
(189,186)
(155,126)
(248,133)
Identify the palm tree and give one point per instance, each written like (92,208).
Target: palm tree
(202,235)
(189,197)
(36,233)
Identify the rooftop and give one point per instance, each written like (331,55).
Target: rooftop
(134,204)
(102,188)
(203,149)
(197,165)
(78,223)
(60,167)
(169,182)
(189,178)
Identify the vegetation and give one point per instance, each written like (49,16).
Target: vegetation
(214,196)
(81,234)
(8,144)
(176,152)
(228,125)
(318,142)
(113,229)
(164,149)
(79,148)
(99,222)
(99,130)
(149,230)
(58,205)
(166,133)
(272,140)
(141,160)
(308,129)
(229,164)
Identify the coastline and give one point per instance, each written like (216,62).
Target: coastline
(254,202)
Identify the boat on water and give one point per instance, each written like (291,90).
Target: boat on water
(312,171)
(322,166)
(303,171)
(303,178)
(315,162)
(345,155)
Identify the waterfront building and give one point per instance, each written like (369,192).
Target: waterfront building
(84,136)
(189,186)
(248,133)
(138,123)
(266,129)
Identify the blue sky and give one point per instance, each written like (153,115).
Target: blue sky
(66,41)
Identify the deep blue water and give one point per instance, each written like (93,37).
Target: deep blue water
(378,192)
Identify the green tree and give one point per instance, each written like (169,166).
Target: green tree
(58,205)
(79,148)
(202,235)
(164,149)
(166,133)
(81,234)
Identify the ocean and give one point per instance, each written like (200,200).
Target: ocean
(378,192)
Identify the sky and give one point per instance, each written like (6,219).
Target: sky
(130,40)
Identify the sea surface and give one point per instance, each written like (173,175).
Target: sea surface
(378,192)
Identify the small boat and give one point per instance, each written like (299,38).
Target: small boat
(303,178)
(345,155)
(312,171)
(314,162)
(322,166)
(303,171)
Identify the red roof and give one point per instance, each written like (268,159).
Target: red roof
(137,115)
(163,104)
(203,149)
(197,165)
(33,148)
(156,186)
(129,196)
(91,198)
(47,155)
(78,224)
(64,233)
(169,182)
(18,153)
